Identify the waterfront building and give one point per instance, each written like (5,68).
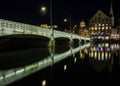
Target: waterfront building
(101,24)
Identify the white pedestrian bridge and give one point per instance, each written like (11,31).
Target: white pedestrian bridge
(11,28)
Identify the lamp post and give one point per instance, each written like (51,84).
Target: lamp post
(51,26)
(71,30)
(43,11)
(52,42)
(70,24)
(66,20)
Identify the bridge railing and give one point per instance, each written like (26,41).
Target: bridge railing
(61,34)
(17,27)
(22,28)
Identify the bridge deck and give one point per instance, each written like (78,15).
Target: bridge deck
(10,27)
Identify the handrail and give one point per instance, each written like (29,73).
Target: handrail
(11,27)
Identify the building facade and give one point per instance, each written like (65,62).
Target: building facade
(100,26)
(83,30)
(114,34)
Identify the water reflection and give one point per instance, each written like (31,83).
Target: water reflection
(85,62)
(65,67)
(100,52)
(44,83)
(20,58)
(11,75)
(101,56)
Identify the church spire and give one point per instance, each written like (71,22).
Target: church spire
(111,14)
(111,9)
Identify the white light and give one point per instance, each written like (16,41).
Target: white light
(75,59)
(65,20)
(40,63)
(43,8)
(1,77)
(20,71)
(65,67)
(43,82)
(10,74)
(106,45)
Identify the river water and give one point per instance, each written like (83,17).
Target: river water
(97,64)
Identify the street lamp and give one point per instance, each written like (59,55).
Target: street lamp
(43,10)
(52,37)
(52,41)
(68,19)
(65,20)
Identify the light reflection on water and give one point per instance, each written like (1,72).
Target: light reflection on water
(102,56)
(89,63)
(20,72)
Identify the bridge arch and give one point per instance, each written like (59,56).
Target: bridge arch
(24,40)
(10,27)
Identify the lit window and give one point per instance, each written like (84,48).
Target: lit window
(99,25)
(102,28)
(99,28)
(107,28)
(103,24)
(95,28)
(92,28)
(106,24)
(95,24)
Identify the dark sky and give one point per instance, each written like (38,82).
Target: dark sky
(28,11)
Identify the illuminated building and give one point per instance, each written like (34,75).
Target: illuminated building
(48,26)
(100,24)
(82,24)
(83,29)
(115,34)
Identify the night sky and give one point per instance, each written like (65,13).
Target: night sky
(28,11)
